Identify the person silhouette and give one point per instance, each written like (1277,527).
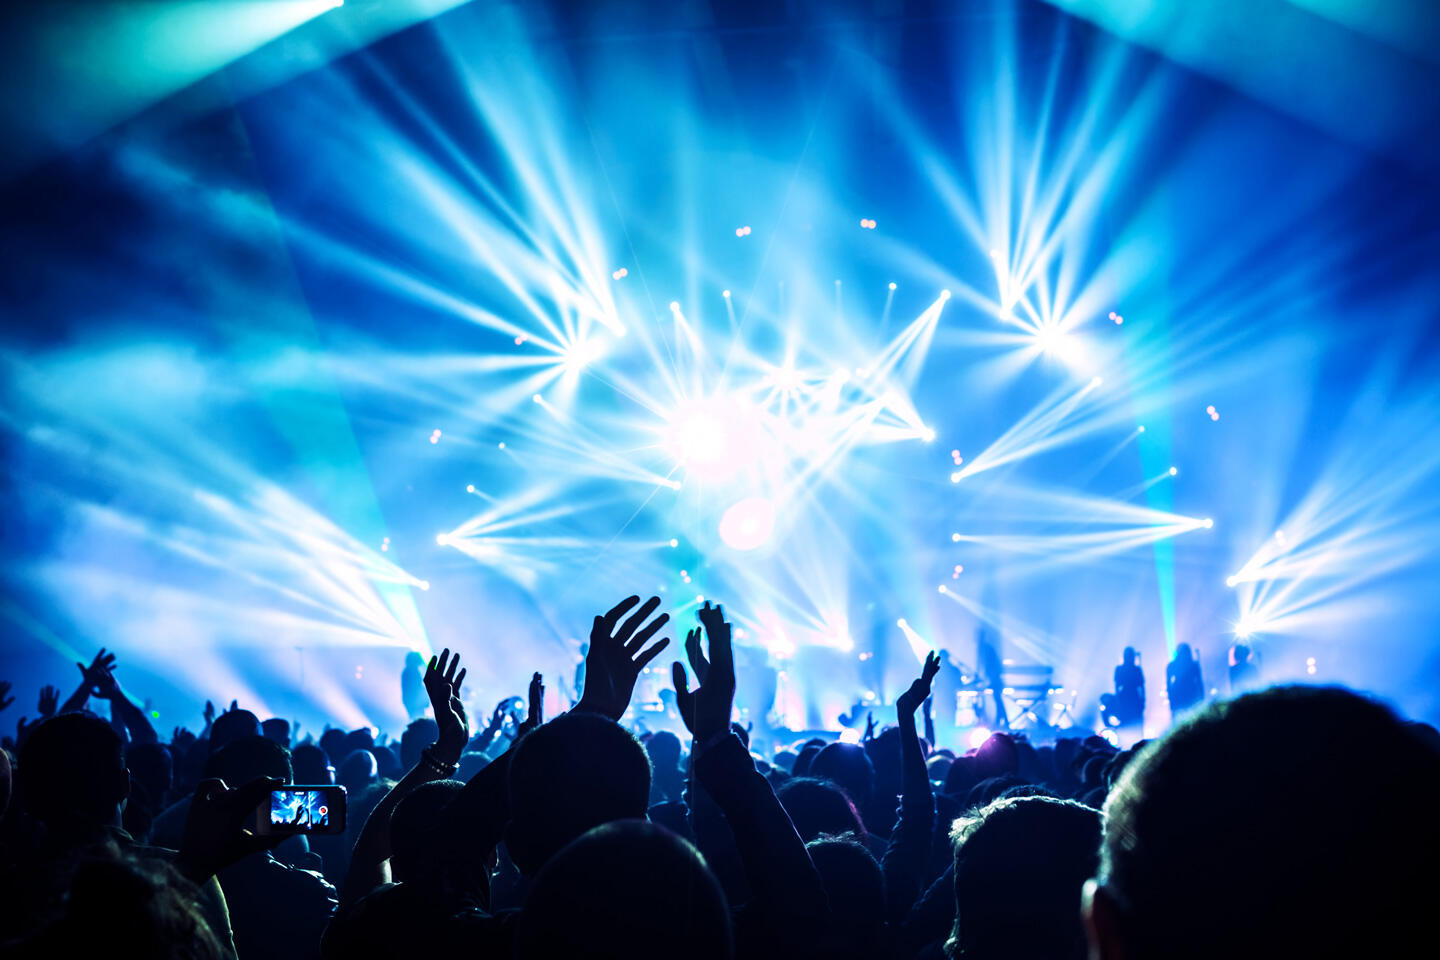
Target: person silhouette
(412,686)
(1126,706)
(1183,685)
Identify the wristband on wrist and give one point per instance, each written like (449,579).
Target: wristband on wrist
(443,769)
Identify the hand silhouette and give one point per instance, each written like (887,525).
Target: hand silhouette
(5,698)
(98,672)
(104,685)
(218,828)
(617,655)
(49,701)
(442,683)
(869,726)
(536,713)
(209,713)
(706,711)
(911,699)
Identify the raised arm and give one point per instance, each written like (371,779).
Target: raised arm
(786,887)
(905,854)
(137,725)
(89,677)
(370,861)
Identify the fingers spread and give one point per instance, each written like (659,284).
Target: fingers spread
(616,612)
(643,637)
(459,679)
(651,654)
(637,618)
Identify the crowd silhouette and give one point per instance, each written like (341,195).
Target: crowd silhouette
(1286,822)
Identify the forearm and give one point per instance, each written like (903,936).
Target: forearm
(904,859)
(915,780)
(777,866)
(136,723)
(77,700)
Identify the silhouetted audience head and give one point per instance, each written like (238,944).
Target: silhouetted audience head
(232,725)
(624,890)
(847,765)
(311,765)
(357,771)
(961,778)
(1234,835)
(819,808)
(121,905)
(1128,657)
(1020,868)
(277,729)
(417,736)
(332,741)
(72,773)
(419,840)
(575,773)
(250,758)
(997,757)
(855,889)
(1183,653)
(806,756)
(152,767)
(664,750)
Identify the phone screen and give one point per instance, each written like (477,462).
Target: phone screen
(298,809)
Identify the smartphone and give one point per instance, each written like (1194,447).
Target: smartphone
(299,809)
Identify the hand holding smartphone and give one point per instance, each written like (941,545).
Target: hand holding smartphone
(302,809)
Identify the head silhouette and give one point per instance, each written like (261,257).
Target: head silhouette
(1183,654)
(855,888)
(311,765)
(250,758)
(1020,867)
(577,772)
(232,725)
(419,735)
(819,808)
(625,889)
(418,838)
(848,765)
(1242,804)
(72,773)
(1128,657)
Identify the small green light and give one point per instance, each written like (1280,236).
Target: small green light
(155,714)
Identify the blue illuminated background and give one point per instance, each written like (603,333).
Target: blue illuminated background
(1083,324)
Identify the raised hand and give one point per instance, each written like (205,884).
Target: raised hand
(443,677)
(869,726)
(219,827)
(99,669)
(5,698)
(536,714)
(695,655)
(49,701)
(919,691)
(104,685)
(617,655)
(706,711)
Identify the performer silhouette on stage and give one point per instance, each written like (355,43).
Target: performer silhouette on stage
(1183,684)
(992,670)
(412,686)
(1126,706)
